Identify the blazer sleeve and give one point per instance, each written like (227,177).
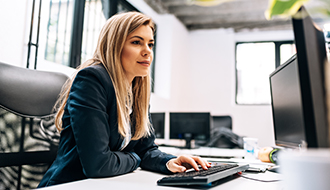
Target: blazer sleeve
(87,106)
(152,158)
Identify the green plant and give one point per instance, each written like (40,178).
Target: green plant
(287,8)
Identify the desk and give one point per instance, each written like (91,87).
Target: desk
(145,180)
(219,155)
(141,179)
(205,152)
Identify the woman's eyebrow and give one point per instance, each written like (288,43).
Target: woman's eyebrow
(141,38)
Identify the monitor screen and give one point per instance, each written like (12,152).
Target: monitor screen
(298,89)
(190,126)
(287,105)
(158,123)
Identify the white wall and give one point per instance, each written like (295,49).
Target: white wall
(207,82)
(212,80)
(195,70)
(14,31)
(202,75)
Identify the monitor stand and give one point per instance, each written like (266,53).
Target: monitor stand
(187,138)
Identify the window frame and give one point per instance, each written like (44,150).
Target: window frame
(277,63)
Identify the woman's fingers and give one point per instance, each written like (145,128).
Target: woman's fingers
(191,160)
(182,163)
(174,167)
(201,162)
(194,161)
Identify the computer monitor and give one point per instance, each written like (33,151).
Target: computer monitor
(191,125)
(158,122)
(298,89)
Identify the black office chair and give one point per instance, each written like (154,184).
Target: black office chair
(222,135)
(27,95)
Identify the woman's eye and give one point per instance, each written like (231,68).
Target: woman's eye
(136,42)
(151,45)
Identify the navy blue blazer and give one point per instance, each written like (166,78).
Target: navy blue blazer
(89,143)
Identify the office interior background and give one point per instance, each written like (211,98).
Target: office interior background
(223,71)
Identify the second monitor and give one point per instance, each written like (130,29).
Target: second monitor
(158,123)
(298,90)
(190,125)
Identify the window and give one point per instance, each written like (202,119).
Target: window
(254,62)
(286,51)
(58,35)
(65,27)
(77,22)
(94,20)
(73,28)
(327,37)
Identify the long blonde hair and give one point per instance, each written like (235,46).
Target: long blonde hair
(108,52)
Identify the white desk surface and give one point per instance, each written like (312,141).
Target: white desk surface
(141,179)
(205,151)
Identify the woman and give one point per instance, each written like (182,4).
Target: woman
(103,111)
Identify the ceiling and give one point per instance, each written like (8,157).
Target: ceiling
(237,14)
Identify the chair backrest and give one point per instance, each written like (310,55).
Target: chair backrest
(221,133)
(29,93)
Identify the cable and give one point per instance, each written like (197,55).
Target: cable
(275,180)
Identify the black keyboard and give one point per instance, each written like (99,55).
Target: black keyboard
(203,177)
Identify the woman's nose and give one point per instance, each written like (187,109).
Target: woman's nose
(146,51)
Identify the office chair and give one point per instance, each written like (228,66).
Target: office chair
(222,135)
(28,95)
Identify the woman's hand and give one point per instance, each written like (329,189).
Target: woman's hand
(182,163)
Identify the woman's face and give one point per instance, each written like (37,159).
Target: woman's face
(137,53)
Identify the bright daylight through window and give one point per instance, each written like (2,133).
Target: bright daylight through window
(254,63)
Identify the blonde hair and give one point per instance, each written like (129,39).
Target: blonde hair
(108,52)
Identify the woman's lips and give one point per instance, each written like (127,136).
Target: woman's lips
(145,63)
